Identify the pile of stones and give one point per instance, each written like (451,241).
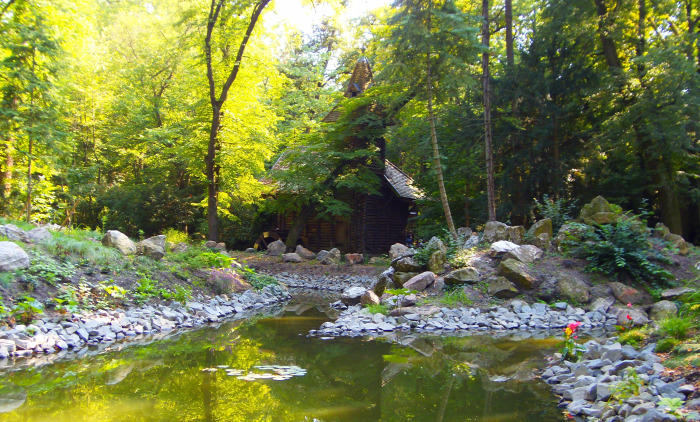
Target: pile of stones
(356,320)
(46,336)
(330,283)
(588,388)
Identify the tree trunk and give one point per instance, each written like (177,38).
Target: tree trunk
(490,185)
(433,139)
(605,25)
(298,226)
(212,170)
(510,55)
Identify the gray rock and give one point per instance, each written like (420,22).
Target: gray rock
(421,281)
(656,415)
(383,281)
(466,275)
(676,292)
(276,248)
(501,247)
(572,288)
(502,288)
(516,272)
(39,235)
(153,247)
(331,258)
(291,257)
(396,250)
(526,254)
(304,253)
(12,257)
(406,265)
(663,309)
(118,240)
(352,295)
(13,233)
(602,304)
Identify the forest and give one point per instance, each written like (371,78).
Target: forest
(151,116)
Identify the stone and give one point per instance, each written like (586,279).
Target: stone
(406,265)
(421,281)
(626,294)
(332,257)
(466,275)
(516,272)
(541,226)
(596,206)
(639,317)
(464,232)
(210,244)
(602,304)
(183,247)
(495,231)
(221,246)
(396,250)
(573,289)
(12,257)
(568,231)
(291,257)
(471,242)
(656,415)
(676,292)
(354,258)
(660,230)
(663,309)
(501,247)
(321,254)
(526,254)
(369,298)
(400,278)
(352,295)
(543,241)
(677,242)
(39,234)
(437,261)
(515,234)
(120,241)
(383,281)
(13,233)
(249,250)
(304,253)
(501,288)
(153,247)
(276,248)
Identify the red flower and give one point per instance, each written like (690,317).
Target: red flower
(629,305)
(629,317)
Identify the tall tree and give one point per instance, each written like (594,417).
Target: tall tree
(217,101)
(488,141)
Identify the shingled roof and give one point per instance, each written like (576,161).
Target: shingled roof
(401,182)
(360,80)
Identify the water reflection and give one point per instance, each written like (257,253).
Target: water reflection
(407,377)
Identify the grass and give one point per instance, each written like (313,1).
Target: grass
(455,297)
(379,308)
(676,327)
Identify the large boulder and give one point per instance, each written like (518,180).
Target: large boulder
(542,226)
(471,242)
(573,289)
(464,232)
(369,298)
(400,278)
(500,248)
(421,281)
(276,248)
(676,292)
(526,254)
(495,231)
(636,315)
(625,293)
(210,244)
(304,253)
(354,258)
(352,295)
(332,257)
(517,272)
(118,240)
(396,250)
(291,257)
(39,234)
(12,257)
(598,211)
(515,234)
(153,247)
(406,265)
(13,233)
(663,309)
(677,242)
(660,230)
(542,241)
(466,275)
(568,231)
(384,281)
(437,261)
(501,288)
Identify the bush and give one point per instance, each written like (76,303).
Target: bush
(619,248)
(633,337)
(379,308)
(558,211)
(227,280)
(454,297)
(665,345)
(258,281)
(676,327)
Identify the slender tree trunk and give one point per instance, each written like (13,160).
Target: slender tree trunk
(7,174)
(510,55)
(298,226)
(433,139)
(212,169)
(31,145)
(605,24)
(490,185)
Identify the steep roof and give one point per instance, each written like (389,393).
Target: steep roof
(401,182)
(360,80)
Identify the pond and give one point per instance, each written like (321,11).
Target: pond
(195,376)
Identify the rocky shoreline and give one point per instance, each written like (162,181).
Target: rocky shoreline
(591,387)
(356,321)
(78,332)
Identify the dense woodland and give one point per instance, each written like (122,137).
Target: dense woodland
(146,116)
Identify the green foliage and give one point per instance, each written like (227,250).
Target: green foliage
(619,248)
(400,292)
(174,236)
(671,405)
(570,349)
(3,310)
(215,259)
(665,345)
(423,254)
(629,386)
(26,309)
(455,297)
(676,327)
(258,281)
(182,294)
(559,211)
(633,337)
(44,268)
(378,308)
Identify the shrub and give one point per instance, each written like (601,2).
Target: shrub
(665,345)
(619,248)
(175,236)
(676,327)
(633,337)
(379,308)
(258,281)
(453,297)
(26,308)
(558,211)
(227,280)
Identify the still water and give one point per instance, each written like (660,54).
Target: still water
(471,378)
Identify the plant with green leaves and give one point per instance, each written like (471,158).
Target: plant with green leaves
(559,210)
(378,308)
(258,281)
(676,327)
(455,296)
(672,405)
(27,308)
(570,349)
(629,386)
